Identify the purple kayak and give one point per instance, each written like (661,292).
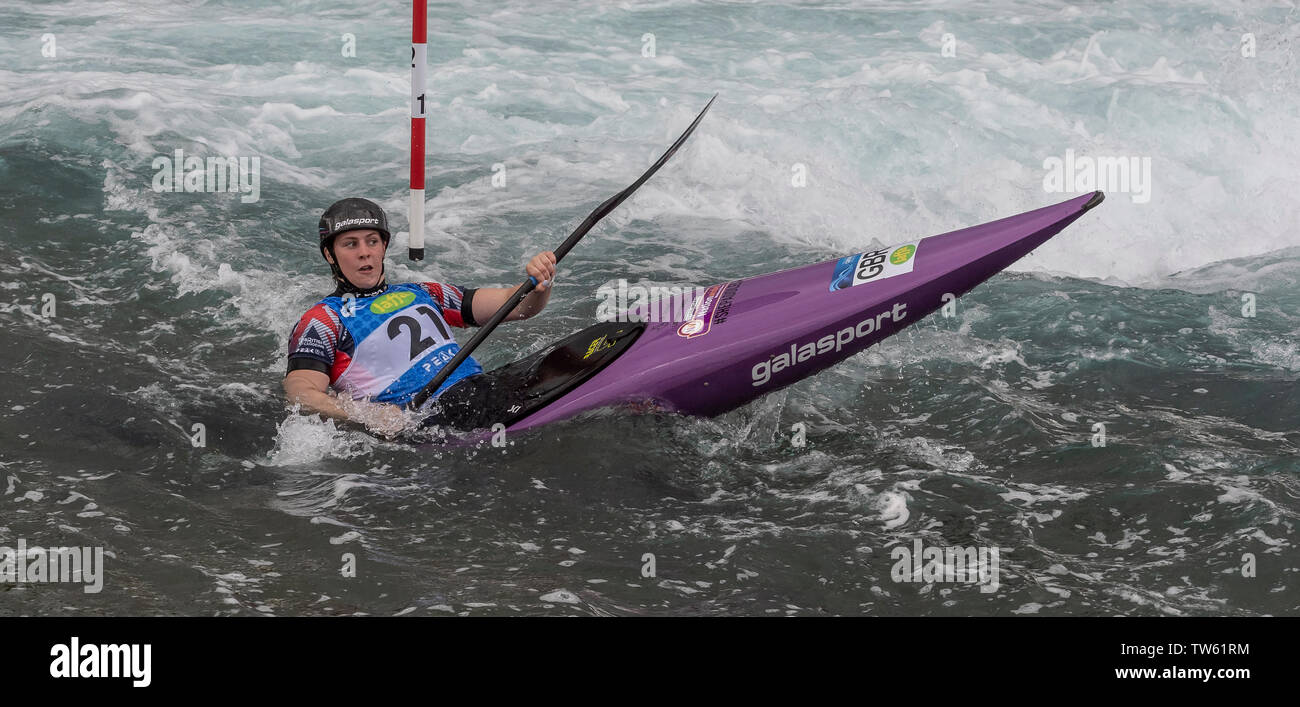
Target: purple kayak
(726,353)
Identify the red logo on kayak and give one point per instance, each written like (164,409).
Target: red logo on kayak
(700,320)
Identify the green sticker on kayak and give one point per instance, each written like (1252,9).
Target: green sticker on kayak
(902,255)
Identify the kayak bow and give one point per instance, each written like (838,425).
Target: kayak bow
(728,353)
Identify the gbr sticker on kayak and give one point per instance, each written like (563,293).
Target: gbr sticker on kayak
(873,266)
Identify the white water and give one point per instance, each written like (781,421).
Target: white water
(897,140)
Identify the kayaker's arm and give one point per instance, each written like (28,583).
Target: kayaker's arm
(309,389)
(487,300)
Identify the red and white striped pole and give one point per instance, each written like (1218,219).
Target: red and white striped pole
(419,39)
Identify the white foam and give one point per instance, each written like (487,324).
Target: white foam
(304,439)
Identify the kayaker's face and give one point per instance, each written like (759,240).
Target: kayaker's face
(361,257)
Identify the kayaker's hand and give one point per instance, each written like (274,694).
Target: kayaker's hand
(542,267)
(389,421)
(382,419)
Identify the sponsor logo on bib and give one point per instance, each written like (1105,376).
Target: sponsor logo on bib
(391,302)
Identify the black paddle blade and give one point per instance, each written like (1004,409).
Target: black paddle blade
(601,212)
(612,202)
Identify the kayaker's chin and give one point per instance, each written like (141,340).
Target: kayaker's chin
(364,273)
(365,278)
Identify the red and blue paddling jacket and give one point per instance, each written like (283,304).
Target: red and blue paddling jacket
(388,346)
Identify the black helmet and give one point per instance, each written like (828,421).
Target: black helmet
(350,215)
(345,215)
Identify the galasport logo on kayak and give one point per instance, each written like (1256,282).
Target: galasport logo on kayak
(873,266)
(798,353)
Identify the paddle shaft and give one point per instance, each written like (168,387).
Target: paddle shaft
(528,285)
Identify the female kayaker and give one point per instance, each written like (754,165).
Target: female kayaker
(377,345)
